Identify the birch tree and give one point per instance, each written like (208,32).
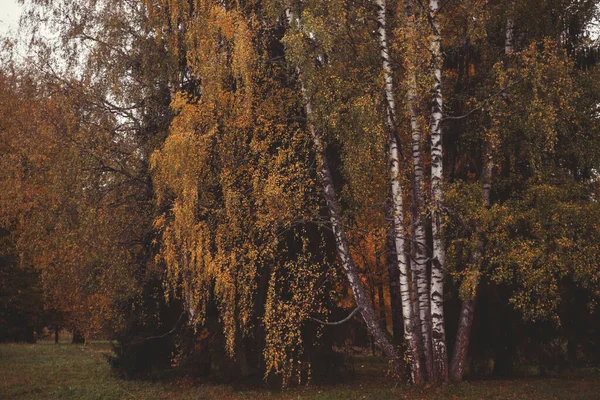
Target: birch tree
(329,194)
(440,357)
(467,310)
(411,324)
(418,240)
(231,178)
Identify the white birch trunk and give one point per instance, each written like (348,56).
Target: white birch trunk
(410,333)
(440,358)
(343,248)
(419,239)
(509,41)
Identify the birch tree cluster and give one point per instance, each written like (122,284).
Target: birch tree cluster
(239,179)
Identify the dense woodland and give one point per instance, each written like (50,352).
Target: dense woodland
(255,188)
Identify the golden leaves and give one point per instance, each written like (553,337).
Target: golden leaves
(294,294)
(231,174)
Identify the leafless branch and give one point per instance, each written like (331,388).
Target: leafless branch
(164,335)
(352,314)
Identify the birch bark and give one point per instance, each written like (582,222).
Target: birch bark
(509,43)
(397,210)
(422,303)
(440,358)
(394,280)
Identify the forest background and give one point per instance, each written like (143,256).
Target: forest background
(251,188)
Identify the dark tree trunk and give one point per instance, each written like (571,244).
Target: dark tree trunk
(78,337)
(381,296)
(503,362)
(372,292)
(506,342)
(571,351)
(463,336)
(30,334)
(56,333)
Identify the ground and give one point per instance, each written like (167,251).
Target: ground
(65,371)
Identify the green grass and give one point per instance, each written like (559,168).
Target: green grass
(65,371)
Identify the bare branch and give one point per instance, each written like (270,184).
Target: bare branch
(352,314)
(164,335)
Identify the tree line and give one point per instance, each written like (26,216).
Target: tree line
(232,184)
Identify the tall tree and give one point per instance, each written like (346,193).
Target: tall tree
(440,357)
(467,311)
(100,113)
(411,321)
(329,193)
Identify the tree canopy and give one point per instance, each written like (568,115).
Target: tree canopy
(237,178)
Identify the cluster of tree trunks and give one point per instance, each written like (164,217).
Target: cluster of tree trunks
(416,271)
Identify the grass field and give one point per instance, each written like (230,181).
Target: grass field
(65,371)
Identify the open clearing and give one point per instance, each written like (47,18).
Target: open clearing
(65,371)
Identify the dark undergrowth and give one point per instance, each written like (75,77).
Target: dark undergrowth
(66,371)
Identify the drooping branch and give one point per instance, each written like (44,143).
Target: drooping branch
(164,334)
(348,318)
